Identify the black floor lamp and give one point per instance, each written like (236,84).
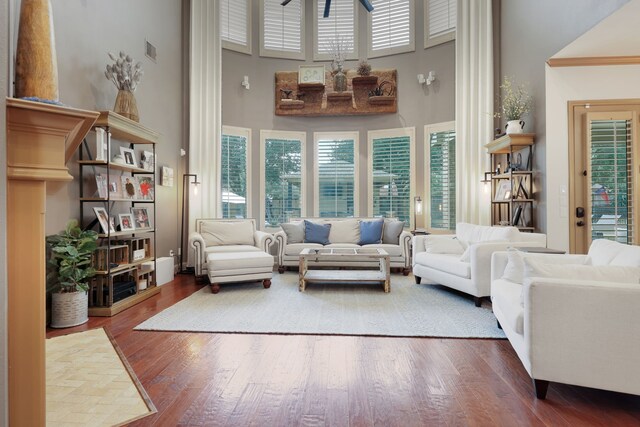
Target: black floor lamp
(186,179)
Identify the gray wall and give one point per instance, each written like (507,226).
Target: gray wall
(4,92)
(417,105)
(85,31)
(532,32)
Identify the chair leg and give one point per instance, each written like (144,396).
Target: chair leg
(541,387)
(418,279)
(406,271)
(477,301)
(281,269)
(499,325)
(215,288)
(266,283)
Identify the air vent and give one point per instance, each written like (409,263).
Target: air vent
(150,51)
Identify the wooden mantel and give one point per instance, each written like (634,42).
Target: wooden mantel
(41,138)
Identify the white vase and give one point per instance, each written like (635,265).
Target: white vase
(515,126)
(69,309)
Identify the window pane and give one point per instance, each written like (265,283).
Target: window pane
(390,24)
(233,21)
(339,27)
(442,178)
(336,177)
(233,176)
(283,171)
(442,17)
(282,26)
(392,178)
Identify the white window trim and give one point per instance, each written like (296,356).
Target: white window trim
(270,53)
(318,136)
(325,56)
(434,41)
(392,133)
(281,134)
(428,130)
(394,50)
(246,133)
(236,46)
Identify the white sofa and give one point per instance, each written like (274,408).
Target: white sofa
(463,261)
(288,253)
(581,326)
(225,236)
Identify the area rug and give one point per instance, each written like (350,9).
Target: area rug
(90,383)
(409,310)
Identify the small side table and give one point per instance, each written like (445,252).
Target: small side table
(420,232)
(540,250)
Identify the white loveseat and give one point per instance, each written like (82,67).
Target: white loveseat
(578,325)
(462,261)
(399,251)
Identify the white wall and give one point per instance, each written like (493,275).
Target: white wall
(4,92)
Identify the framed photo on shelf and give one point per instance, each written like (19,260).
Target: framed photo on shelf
(311,74)
(103,219)
(130,187)
(503,191)
(129,156)
(115,188)
(148,161)
(141,217)
(146,186)
(126,222)
(101,183)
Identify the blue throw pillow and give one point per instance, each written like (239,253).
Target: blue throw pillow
(316,233)
(371,232)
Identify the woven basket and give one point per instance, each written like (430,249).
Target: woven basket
(69,309)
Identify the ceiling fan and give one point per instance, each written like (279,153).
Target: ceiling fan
(327,5)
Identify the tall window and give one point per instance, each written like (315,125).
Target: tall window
(440,145)
(391,173)
(439,21)
(235,25)
(282,29)
(391,27)
(283,178)
(340,28)
(234,172)
(336,174)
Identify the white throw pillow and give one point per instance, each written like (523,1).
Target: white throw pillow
(219,233)
(466,256)
(514,270)
(345,231)
(442,245)
(629,256)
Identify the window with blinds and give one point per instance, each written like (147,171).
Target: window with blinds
(610,172)
(282,29)
(233,174)
(391,177)
(439,22)
(335,180)
(442,179)
(339,29)
(283,179)
(235,25)
(391,27)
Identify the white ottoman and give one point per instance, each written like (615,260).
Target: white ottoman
(239,267)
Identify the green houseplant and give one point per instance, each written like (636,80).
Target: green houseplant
(70,270)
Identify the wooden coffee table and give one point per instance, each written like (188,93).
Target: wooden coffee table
(322,257)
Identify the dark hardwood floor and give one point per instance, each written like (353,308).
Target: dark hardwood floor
(207,379)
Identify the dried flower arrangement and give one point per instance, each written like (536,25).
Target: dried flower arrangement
(123,73)
(515,100)
(338,49)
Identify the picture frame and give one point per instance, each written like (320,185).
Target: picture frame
(115,188)
(101,183)
(126,222)
(103,219)
(141,217)
(148,161)
(130,187)
(309,74)
(501,191)
(129,156)
(167,176)
(146,186)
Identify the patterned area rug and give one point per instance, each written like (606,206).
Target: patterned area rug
(409,310)
(90,383)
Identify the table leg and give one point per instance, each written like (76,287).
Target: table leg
(302,270)
(385,269)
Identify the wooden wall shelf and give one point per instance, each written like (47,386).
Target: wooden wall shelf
(382,99)
(340,96)
(364,80)
(291,104)
(311,86)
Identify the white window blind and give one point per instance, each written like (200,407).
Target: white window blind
(391,175)
(235,29)
(233,175)
(611,180)
(442,179)
(282,29)
(339,28)
(391,27)
(283,184)
(336,177)
(440,21)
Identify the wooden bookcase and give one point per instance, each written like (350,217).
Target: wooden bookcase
(512,173)
(125,275)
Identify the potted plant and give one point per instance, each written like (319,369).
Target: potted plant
(516,102)
(70,269)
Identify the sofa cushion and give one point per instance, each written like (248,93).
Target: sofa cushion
(603,251)
(506,296)
(449,263)
(592,273)
(216,233)
(391,232)
(392,250)
(514,270)
(238,260)
(371,232)
(342,246)
(482,233)
(294,231)
(345,231)
(316,233)
(295,248)
(231,248)
(443,245)
(629,256)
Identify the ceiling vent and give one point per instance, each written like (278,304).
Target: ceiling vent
(150,51)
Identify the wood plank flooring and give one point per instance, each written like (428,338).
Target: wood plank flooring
(202,379)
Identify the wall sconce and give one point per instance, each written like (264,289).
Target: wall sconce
(427,80)
(186,178)
(417,210)
(245,83)
(487,182)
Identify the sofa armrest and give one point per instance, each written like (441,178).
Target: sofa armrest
(405,245)
(263,240)
(499,262)
(281,238)
(197,245)
(480,259)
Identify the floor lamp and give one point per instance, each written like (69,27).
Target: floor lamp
(417,210)
(186,179)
